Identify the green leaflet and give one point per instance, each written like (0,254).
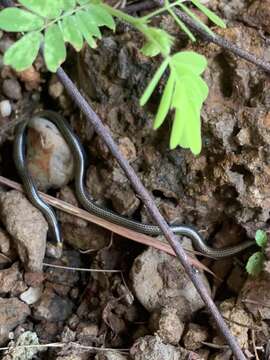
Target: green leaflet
(165,102)
(212,16)
(194,17)
(71,33)
(261,238)
(150,49)
(255,263)
(54,48)
(68,4)
(22,54)
(153,83)
(189,61)
(101,16)
(17,20)
(47,8)
(186,126)
(178,129)
(89,22)
(84,29)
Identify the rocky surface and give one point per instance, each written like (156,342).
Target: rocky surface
(12,313)
(152,348)
(151,309)
(27,227)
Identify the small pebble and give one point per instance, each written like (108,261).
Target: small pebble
(31,295)
(5,108)
(12,89)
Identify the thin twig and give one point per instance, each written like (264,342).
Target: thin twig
(117,229)
(80,269)
(150,205)
(61,345)
(254,345)
(255,302)
(214,346)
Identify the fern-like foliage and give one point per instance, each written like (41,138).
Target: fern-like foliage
(54,23)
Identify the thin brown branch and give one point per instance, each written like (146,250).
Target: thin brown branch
(70,268)
(117,229)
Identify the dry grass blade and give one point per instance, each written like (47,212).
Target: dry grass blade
(117,229)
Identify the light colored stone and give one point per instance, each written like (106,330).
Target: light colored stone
(49,158)
(5,108)
(194,336)
(110,355)
(18,352)
(27,227)
(31,295)
(12,313)
(152,348)
(167,325)
(159,280)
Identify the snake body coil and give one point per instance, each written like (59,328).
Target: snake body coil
(88,203)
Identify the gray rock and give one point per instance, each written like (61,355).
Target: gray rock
(110,355)
(159,280)
(12,313)
(152,348)
(52,307)
(27,226)
(194,336)
(18,352)
(10,279)
(12,89)
(167,325)
(5,108)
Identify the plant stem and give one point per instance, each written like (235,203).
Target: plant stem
(148,201)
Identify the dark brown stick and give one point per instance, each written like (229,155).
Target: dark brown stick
(194,275)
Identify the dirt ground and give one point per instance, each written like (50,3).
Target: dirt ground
(148,309)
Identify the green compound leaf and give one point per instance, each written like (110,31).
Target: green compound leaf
(17,20)
(153,83)
(54,48)
(189,61)
(68,4)
(212,16)
(165,102)
(71,33)
(47,8)
(22,54)
(255,263)
(101,16)
(86,28)
(261,238)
